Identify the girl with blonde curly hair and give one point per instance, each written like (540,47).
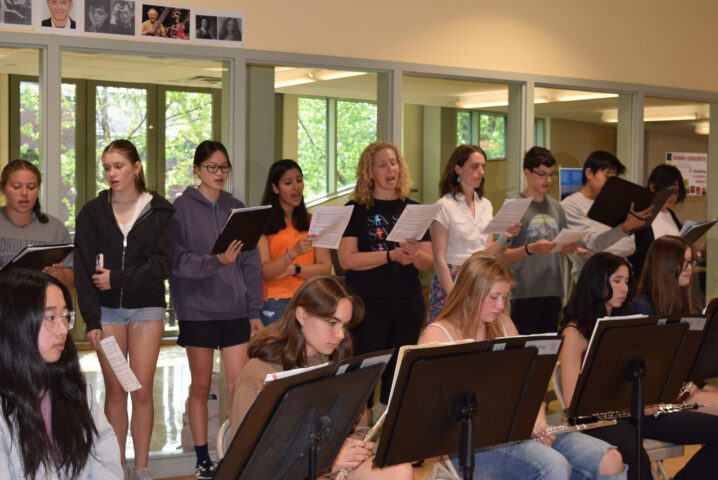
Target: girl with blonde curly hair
(384,274)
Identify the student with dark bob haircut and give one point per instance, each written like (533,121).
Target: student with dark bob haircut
(217,297)
(285,249)
(50,424)
(666,222)
(602,291)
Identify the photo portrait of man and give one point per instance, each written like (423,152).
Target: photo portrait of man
(206,27)
(59,15)
(17,12)
(97,16)
(153,26)
(122,19)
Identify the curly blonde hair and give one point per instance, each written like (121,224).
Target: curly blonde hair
(364,189)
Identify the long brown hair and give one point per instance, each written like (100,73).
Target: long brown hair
(659,278)
(364,189)
(19,164)
(477,276)
(283,341)
(128,150)
(449,182)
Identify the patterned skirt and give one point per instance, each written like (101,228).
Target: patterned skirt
(437,295)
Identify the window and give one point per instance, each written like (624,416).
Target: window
(485,129)
(331,134)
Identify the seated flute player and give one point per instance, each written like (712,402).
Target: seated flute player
(312,331)
(474,309)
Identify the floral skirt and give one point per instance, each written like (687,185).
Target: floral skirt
(437,295)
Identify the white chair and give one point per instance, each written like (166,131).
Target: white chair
(656,449)
(223,439)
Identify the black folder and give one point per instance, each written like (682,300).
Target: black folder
(244,224)
(614,201)
(39,256)
(697,230)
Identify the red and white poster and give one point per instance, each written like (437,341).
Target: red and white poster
(693,167)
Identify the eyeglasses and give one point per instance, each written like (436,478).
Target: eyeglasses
(54,322)
(542,175)
(212,168)
(689,263)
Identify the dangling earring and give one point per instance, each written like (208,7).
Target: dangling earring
(458,179)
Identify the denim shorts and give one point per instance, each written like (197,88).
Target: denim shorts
(273,310)
(125,316)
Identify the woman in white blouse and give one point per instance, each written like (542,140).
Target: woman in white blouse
(456,231)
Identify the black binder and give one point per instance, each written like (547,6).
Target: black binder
(39,256)
(614,201)
(244,224)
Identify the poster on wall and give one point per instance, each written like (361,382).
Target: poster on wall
(16,13)
(162,21)
(110,17)
(693,167)
(61,17)
(219,28)
(569,181)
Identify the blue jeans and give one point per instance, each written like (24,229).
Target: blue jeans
(574,456)
(273,310)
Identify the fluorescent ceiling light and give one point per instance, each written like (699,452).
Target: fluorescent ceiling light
(330,75)
(294,81)
(585,96)
(670,113)
(703,128)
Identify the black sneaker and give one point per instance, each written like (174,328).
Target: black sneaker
(205,470)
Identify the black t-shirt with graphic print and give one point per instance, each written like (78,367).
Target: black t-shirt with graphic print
(370,226)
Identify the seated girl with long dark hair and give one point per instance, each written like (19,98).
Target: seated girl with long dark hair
(313,330)
(474,309)
(601,291)
(51,426)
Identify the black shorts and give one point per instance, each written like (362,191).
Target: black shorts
(213,333)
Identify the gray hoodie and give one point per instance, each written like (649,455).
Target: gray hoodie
(202,288)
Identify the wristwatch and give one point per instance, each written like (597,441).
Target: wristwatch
(297,269)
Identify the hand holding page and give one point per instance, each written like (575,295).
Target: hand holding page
(328,225)
(510,214)
(567,236)
(413,222)
(119,364)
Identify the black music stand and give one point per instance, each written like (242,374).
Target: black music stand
(458,398)
(706,364)
(297,425)
(627,365)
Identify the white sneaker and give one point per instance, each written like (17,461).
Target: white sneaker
(141,474)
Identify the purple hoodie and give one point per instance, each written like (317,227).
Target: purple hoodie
(202,288)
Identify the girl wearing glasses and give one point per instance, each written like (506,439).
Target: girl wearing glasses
(123,256)
(313,330)
(602,291)
(217,297)
(286,251)
(50,424)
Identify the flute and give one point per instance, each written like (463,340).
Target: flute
(580,427)
(344,472)
(662,409)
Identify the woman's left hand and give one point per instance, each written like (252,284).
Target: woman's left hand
(540,432)
(102,279)
(255,325)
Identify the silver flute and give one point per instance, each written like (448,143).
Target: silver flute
(344,472)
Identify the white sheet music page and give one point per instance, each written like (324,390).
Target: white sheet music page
(328,224)
(510,214)
(413,222)
(119,364)
(567,236)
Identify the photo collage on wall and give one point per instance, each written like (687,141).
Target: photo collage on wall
(124,18)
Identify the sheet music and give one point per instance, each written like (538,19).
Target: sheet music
(567,236)
(119,364)
(289,373)
(328,224)
(510,214)
(413,222)
(595,328)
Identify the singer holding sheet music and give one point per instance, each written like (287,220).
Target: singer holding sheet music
(313,330)
(384,274)
(50,424)
(217,297)
(123,256)
(475,309)
(456,231)
(602,290)
(286,251)
(22,223)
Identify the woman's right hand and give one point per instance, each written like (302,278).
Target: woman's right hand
(231,254)
(94,336)
(302,246)
(354,452)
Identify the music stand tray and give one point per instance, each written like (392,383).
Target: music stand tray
(291,415)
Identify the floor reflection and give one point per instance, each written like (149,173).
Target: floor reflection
(171,386)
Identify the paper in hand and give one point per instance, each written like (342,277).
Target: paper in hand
(328,225)
(567,236)
(119,364)
(413,222)
(510,214)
